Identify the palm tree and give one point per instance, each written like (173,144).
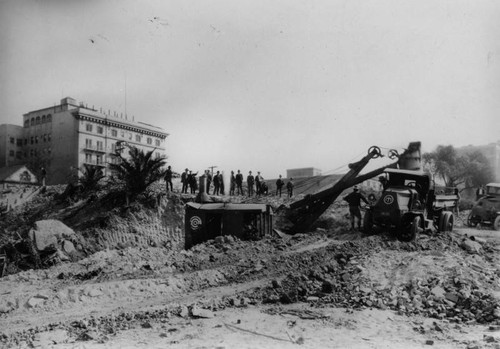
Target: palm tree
(138,171)
(90,177)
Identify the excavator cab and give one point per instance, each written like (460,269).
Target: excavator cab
(401,207)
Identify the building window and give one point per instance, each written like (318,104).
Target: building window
(100,130)
(32,121)
(130,135)
(12,140)
(12,153)
(36,139)
(157,142)
(49,137)
(25,154)
(26,123)
(19,142)
(99,159)
(99,145)
(25,141)
(137,138)
(88,158)
(32,139)
(49,151)
(88,127)
(45,137)
(37,120)
(43,119)
(49,118)
(19,155)
(114,133)
(32,152)
(123,134)
(88,143)
(149,140)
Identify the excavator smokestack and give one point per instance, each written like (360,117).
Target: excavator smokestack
(411,159)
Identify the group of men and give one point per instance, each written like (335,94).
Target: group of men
(256,185)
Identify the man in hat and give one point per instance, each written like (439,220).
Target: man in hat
(354,201)
(184,181)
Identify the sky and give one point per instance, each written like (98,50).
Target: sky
(263,85)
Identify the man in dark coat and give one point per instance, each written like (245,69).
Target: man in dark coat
(239,183)
(184,181)
(250,182)
(289,187)
(232,183)
(279,185)
(354,201)
(217,179)
(168,179)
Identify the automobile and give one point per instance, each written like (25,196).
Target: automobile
(486,211)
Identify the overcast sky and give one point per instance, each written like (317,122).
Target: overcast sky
(263,85)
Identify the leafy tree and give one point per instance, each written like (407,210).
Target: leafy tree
(454,169)
(138,171)
(90,177)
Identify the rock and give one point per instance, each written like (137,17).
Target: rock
(429,342)
(327,287)
(438,291)
(496,313)
(46,339)
(228,239)
(6,307)
(146,324)
(47,232)
(472,247)
(184,311)
(276,284)
(202,313)
(219,239)
(312,299)
(452,297)
(489,339)
(94,293)
(35,302)
(68,247)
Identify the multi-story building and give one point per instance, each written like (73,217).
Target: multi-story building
(64,137)
(11,145)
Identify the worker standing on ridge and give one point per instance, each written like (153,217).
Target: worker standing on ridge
(354,201)
(184,181)
(258,181)
(239,182)
(232,183)
(279,184)
(250,182)
(209,181)
(168,178)
(289,187)
(217,178)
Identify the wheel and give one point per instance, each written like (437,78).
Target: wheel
(446,222)
(411,231)
(393,154)
(472,221)
(496,223)
(368,223)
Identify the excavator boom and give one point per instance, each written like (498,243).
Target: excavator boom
(300,215)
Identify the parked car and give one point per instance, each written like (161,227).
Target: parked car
(486,211)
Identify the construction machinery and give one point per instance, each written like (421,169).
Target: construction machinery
(409,204)
(486,211)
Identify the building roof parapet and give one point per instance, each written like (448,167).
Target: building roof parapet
(99,117)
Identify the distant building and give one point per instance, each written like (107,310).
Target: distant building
(11,145)
(303,172)
(64,137)
(18,174)
(491,152)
